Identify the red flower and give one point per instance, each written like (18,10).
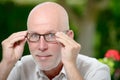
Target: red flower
(114,54)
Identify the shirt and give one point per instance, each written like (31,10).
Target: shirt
(90,69)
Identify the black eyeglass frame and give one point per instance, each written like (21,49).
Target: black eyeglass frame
(43,36)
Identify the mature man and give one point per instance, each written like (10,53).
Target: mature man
(54,52)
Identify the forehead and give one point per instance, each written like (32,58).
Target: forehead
(43,22)
(43,28)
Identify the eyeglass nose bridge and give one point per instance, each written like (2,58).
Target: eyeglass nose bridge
(40,35)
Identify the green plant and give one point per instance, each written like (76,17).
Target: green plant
(112,59)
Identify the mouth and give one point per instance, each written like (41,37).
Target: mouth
(43,57)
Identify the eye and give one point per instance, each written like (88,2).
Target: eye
(51,35)
(34,35)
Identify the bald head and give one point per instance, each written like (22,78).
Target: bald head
(49,13)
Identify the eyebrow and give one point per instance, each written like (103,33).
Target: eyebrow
(48,32)
(40,34)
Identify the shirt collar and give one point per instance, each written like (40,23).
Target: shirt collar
(63,71)
(40,73)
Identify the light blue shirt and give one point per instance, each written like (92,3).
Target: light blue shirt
(90,69)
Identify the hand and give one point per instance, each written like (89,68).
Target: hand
(70,48)
(13,47)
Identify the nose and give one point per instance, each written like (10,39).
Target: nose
(42,44)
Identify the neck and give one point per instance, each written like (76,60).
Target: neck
(53,72)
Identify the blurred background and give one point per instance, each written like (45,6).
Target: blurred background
(96,23)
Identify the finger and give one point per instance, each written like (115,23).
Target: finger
(21,33)
(16,41)
(64,39)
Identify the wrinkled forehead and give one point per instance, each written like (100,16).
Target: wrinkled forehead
(49,14)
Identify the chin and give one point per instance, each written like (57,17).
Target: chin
(48,66)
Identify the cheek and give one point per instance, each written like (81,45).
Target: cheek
(56,51)
(55,48)
(32,47)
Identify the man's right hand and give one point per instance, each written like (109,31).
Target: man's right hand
(13,47)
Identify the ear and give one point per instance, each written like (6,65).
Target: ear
(70,33)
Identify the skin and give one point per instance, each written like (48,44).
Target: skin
(13,48)
(51,57)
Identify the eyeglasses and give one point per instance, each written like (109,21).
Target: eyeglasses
(35,37)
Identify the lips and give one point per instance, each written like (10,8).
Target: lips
(43,57)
